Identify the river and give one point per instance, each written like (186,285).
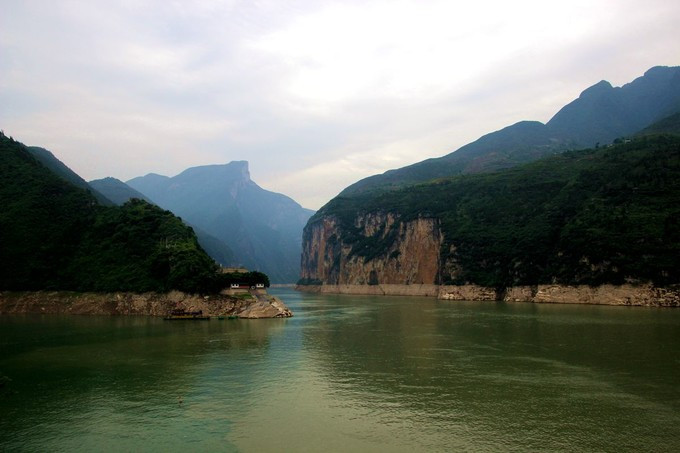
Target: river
(347,373)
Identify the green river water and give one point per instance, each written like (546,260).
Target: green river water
(346,373)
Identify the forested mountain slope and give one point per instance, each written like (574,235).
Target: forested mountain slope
(56,236)
(60,169)
(607,215)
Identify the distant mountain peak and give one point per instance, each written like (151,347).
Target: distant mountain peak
(262,228)
(242,165)
(236,171)
(116,190)
(600,87)
(600,114)
(155,176)
(661,70)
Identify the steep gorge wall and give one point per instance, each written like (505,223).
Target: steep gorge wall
(378,249)
(383,254)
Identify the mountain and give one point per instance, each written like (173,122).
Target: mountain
(601,114)
(262,228)
(606,215)
(116,190)
(669,125)
(59,168)
(520,206)
(120,193)
(55,235)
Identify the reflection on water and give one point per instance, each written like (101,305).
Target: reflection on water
(487,375)
(354,373)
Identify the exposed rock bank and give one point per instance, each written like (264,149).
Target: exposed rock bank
(634,295)
(151,304)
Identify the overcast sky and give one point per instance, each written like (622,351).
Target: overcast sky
(314,94)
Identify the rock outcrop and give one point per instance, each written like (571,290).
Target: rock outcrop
(150,304)
(266,306)
(635,295)
(384,250)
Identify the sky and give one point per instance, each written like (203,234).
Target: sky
(314,94)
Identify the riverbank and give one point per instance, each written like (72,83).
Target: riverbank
(633,295)
(146,304)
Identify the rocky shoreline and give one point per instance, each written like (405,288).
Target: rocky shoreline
(646,295)
(146,304)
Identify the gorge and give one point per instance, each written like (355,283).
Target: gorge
(573,225)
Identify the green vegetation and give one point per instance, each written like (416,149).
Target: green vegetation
(244,278)
(140,247)
(595,216)
(58,168)
(55,236)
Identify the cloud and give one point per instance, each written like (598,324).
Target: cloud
(316,95)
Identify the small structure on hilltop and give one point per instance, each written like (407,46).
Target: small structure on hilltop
(239,286)
(240,282)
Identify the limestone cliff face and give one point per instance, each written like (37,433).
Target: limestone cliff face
(379,248)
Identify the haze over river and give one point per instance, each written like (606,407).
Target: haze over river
(347,373)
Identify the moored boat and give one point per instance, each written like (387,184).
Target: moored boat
(180,314)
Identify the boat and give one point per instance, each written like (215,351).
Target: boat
(180,314)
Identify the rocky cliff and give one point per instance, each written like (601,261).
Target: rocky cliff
(591,217)
(379,248)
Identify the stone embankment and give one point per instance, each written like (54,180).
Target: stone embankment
(373,290)
(633,295)
(150,304)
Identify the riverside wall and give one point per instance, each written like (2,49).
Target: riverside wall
(373,290)
(630,295)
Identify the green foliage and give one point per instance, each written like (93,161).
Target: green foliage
(606,215)
(140,247)
(56,236)
(245,278)
(41,220)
